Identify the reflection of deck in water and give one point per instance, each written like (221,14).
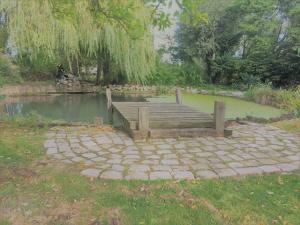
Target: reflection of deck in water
(13,109)
(157,120)
(73,108)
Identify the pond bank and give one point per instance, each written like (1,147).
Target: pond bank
(240,155)
(47,92)
(42,88)
(31,89)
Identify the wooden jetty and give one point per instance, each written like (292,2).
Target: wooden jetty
(160,120)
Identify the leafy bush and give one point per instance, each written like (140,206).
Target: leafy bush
(9,72)
(31,119)
(290,100)
(261,93)
(172,74)
(37,69)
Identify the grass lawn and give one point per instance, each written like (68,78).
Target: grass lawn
(289,125)
(36,190)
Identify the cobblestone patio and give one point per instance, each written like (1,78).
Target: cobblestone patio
(253,149)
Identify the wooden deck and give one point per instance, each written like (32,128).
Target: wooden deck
(164,120)
(157,120)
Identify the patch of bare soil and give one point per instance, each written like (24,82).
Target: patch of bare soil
(87,128)
(140,191)
(23,172)
(113,215)
(9,173)
(193,202)
(61,213)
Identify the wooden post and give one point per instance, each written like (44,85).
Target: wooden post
(108,98)
(178,96)
(219,118)
(143,118)
(109,104)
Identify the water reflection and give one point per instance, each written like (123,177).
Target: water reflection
(70,108)
(13,109)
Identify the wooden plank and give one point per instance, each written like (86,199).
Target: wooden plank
(143,103)
(172,119)
(178,96)
(159,109)
(164,106)
(143,119)
(180,124)
(168,124)
(178,115)
(181,119)
(157,105)
(164,113)
(166,118)
(108,98)
(162,110)
(189,132)
(219,117)
(148,104)
(109,104)
(173,114)
(168,105)
(127,125)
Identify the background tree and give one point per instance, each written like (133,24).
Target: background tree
(110,32)
(244,42)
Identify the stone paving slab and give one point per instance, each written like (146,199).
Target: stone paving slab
(253,149)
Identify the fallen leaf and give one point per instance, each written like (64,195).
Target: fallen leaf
(280,180)
(194,207)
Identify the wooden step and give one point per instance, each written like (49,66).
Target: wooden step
(188,132)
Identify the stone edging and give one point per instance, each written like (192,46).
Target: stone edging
(44,89)
(253,149)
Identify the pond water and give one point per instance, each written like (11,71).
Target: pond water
(234,107)
(69,107)
(87,107)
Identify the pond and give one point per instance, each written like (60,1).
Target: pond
(87,107)
(234,107)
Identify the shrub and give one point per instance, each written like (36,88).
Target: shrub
(37,69)
(173,74)
(9,73)
(290,100)
(31,119)
(262,93)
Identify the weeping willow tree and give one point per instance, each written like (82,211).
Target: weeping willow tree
(114,31)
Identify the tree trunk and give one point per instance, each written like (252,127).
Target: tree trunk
(75,67)
(106,72)
(208,69)
(99,70)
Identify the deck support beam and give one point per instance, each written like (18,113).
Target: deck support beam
(109,104)
(219,118)
(178,96)
(143,120)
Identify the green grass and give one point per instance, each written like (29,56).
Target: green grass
(33,188)
(217,88)
(289,125)
(20,146)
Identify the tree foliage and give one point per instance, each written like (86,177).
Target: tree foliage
(110,31)
(244,42)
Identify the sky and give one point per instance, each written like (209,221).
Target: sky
(166,37)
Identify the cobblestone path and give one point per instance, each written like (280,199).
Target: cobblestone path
(253,149)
